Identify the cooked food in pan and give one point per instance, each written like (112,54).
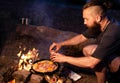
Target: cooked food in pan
(45,66)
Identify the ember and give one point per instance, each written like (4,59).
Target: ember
(13,81)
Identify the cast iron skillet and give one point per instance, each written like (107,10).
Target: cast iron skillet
(38,72)
(33,71)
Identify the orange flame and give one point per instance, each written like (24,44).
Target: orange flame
(12,81)
(26,60)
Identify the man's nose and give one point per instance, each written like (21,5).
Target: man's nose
(84,22)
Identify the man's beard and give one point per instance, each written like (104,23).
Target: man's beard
(95,29)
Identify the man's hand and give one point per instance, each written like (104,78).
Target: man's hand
(57,57)
(55,47)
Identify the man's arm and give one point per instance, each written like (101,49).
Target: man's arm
(74,41)
(85,62)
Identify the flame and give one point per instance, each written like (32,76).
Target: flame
(12,81)
(26,60)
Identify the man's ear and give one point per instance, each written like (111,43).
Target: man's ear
(99,18)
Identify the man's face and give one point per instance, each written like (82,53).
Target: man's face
(90,20)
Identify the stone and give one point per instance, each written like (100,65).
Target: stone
(20,75)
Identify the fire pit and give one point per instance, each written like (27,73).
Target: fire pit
(31,69)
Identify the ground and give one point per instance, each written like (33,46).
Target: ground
(62,17)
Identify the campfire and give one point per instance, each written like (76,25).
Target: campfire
(26,60)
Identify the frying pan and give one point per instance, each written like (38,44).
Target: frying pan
(34,71)
(41,72)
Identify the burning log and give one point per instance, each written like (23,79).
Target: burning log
(8,74)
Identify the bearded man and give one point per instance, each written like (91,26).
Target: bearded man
(103,52)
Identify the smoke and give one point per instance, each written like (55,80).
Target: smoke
(39,13)
(58,14)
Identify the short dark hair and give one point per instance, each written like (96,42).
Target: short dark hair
(101,5)
(89,4)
